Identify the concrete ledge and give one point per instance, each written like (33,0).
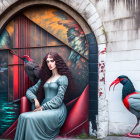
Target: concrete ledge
(119,138)
(107,138)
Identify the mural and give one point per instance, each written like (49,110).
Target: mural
(61,25)
(35,32)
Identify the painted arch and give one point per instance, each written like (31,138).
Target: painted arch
(97,28)
(21,35)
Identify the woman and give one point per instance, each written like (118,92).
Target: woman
(46,119)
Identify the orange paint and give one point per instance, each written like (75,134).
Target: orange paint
(46,19)
(10,27)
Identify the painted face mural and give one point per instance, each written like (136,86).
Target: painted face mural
(35,32)
(50,62)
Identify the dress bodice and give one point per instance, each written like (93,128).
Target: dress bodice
(50,90)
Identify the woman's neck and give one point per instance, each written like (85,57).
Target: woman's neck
(54,72)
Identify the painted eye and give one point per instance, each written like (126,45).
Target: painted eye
(52,60)
(47,61)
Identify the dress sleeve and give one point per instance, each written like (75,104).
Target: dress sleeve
(57,100)
(32,91)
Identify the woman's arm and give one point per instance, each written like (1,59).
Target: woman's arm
(56,101)
(32,92)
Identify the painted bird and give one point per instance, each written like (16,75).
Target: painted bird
(31,68)
(130,98)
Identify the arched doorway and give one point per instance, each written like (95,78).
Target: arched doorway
(29,35)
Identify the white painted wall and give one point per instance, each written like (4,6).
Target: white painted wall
(122,58)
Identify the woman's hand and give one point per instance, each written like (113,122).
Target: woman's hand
(37,104)
(38,109)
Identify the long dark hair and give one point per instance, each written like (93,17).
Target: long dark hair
(45,73)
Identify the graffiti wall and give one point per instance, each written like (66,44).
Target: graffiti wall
(35,32)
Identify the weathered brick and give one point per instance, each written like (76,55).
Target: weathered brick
(97,24)
(123,45)
(101,39)
(83,6)
(99,31)
(89,11)
(75,4)
(93,18)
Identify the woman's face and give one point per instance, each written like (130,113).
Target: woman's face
(50,62)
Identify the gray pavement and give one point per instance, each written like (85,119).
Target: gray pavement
(119,138)
(107,138)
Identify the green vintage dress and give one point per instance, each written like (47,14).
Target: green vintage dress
(46,124)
